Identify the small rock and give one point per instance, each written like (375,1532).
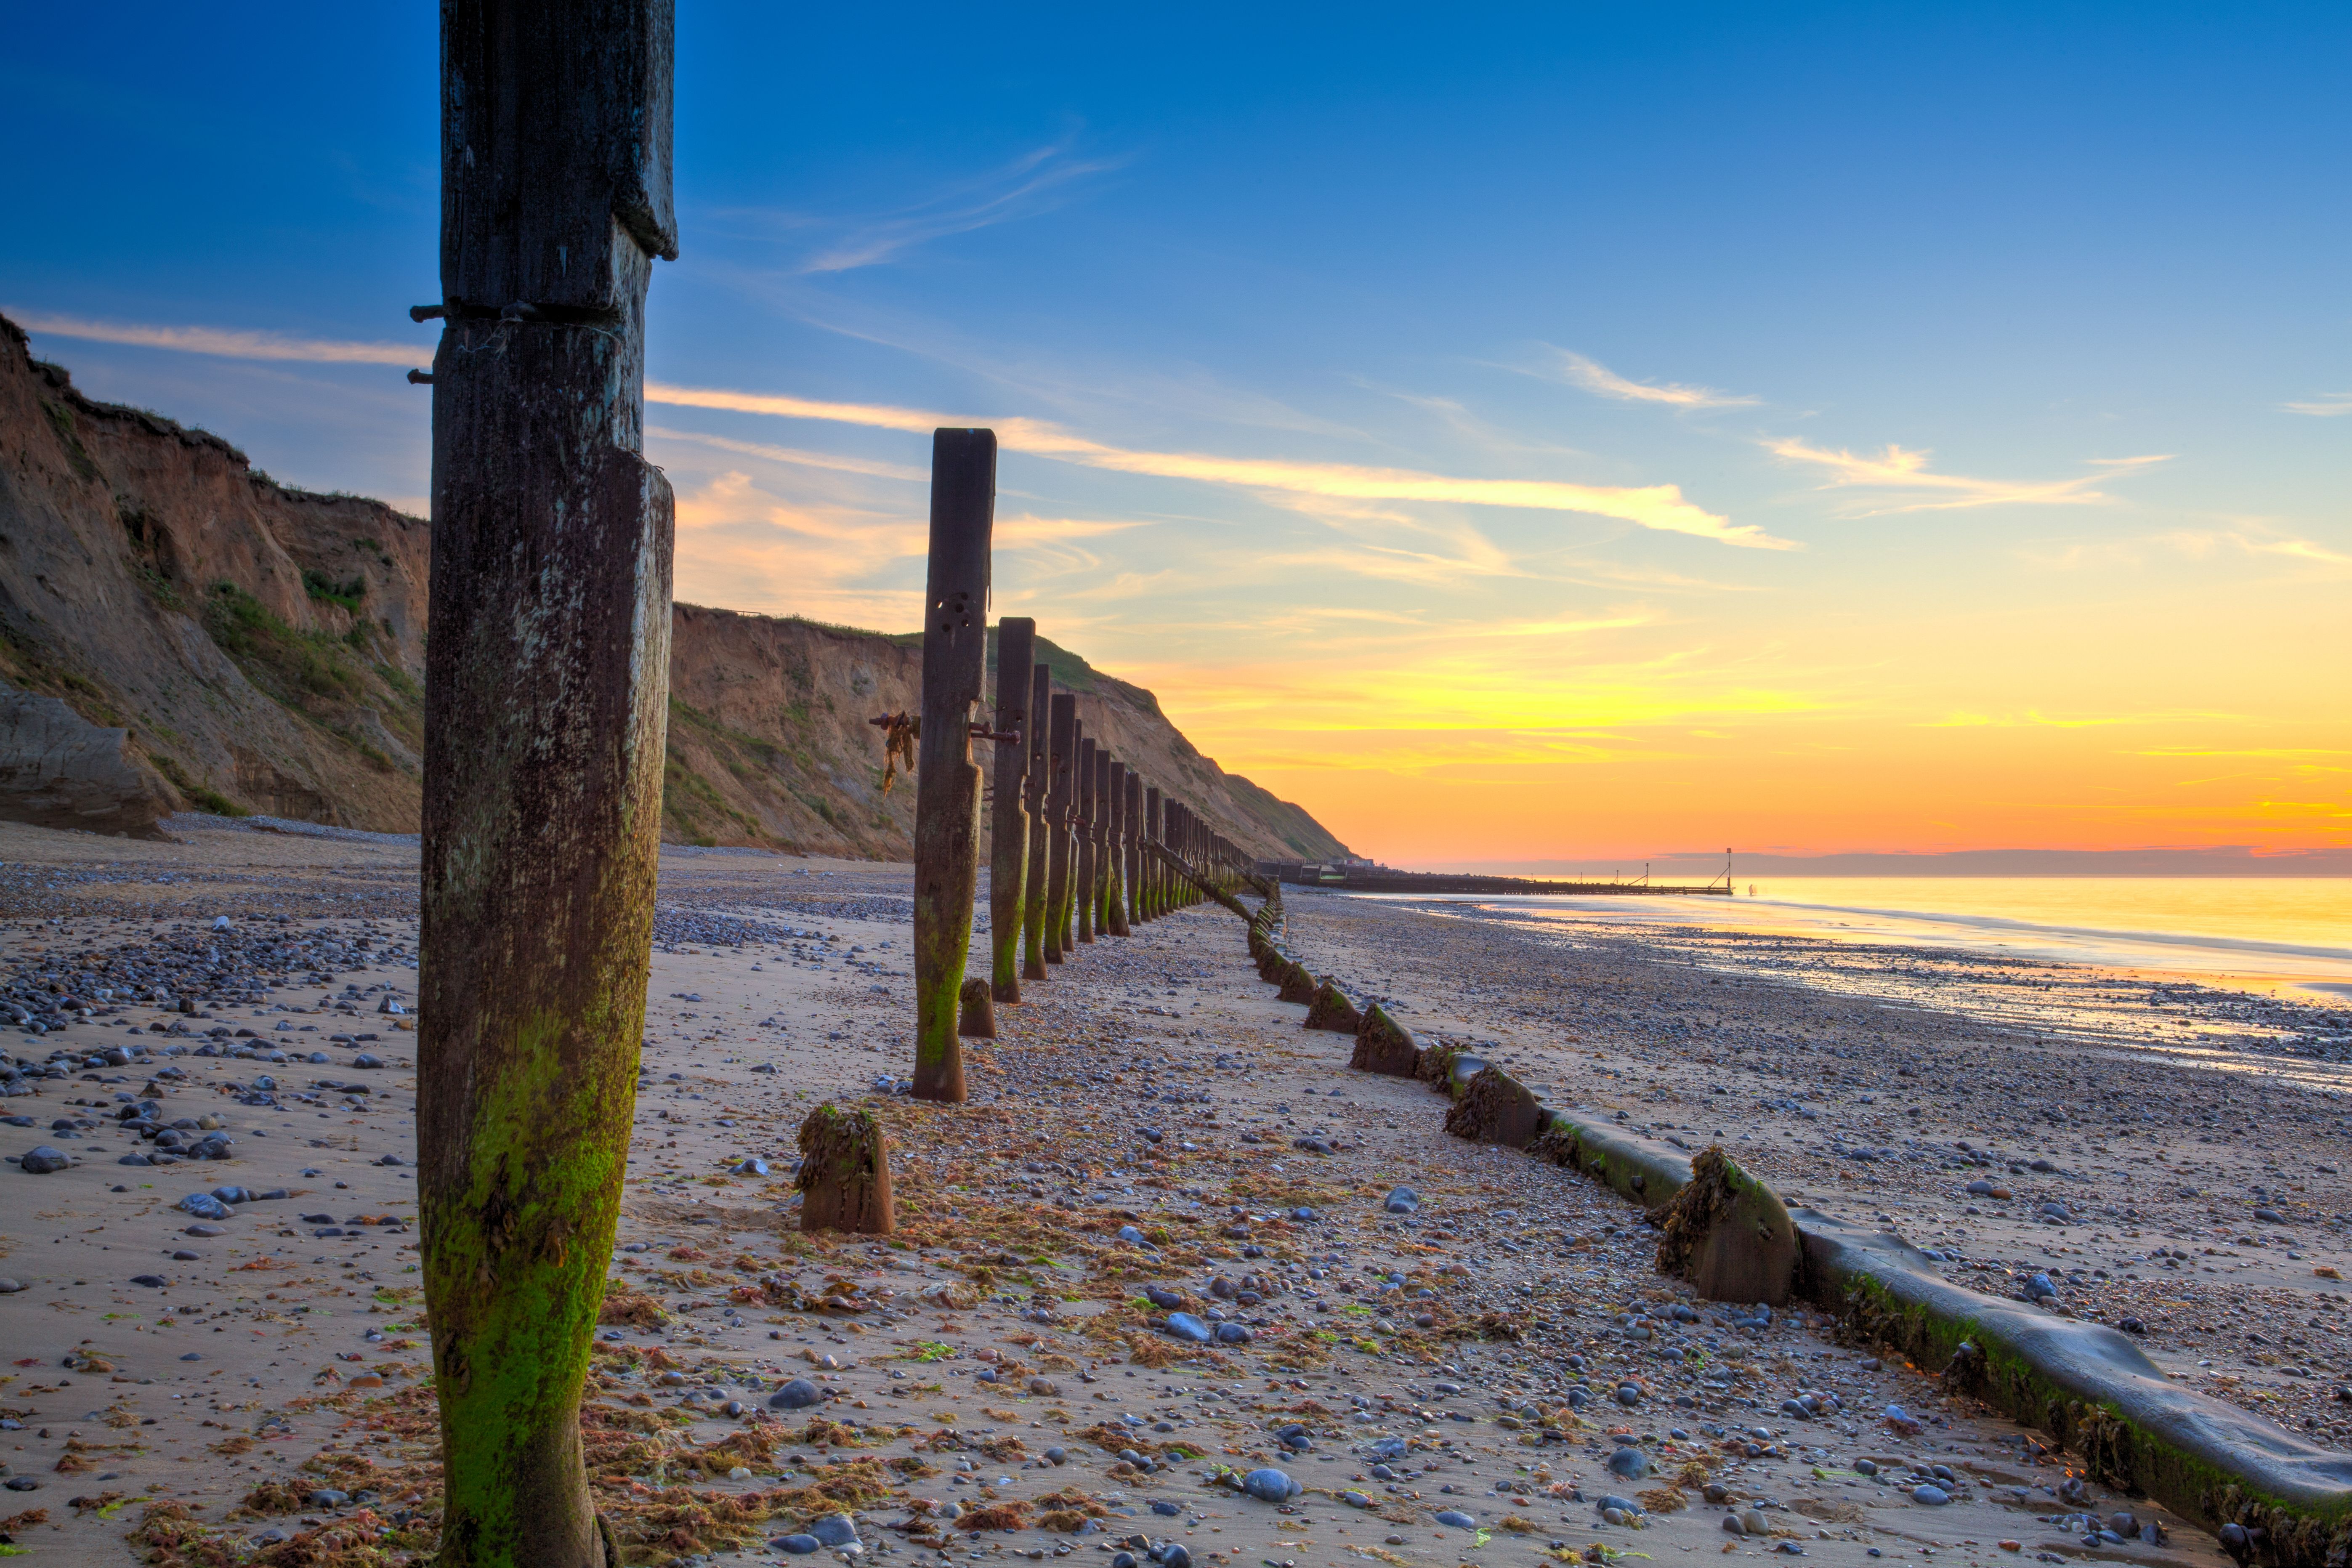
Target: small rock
(1628,1464)
(835,1530)
(43,1161)
(1233,1334)
(1458,1518)
(797,1394)
(1933,1497)
(1271,1486)
(1401,1200)
(1188,1328)
(798,1545)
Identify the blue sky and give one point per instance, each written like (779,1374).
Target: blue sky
(1881,375)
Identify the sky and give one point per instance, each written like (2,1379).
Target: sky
(1528,434)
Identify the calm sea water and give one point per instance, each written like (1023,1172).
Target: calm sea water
(2244,929)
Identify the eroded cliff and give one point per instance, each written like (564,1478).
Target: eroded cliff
(222,642)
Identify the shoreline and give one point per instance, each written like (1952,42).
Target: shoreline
(2318,976)
(1489,1334)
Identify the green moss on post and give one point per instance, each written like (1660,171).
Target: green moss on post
(1332,1009)
(946,798)
(1728,1235)
(1016,644)
(1040,754)
(1383,1046)
(545,704)
(1062,727)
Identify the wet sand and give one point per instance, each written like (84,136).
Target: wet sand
(995,1357)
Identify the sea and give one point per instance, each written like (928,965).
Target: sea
(2204,966)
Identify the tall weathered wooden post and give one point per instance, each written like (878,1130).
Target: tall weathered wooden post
(1008,850)
(1060,797)
(1040,754)
(947,789)
(546,696)
(1084,883)
(1116,850)
(1151,868)
(1131,823)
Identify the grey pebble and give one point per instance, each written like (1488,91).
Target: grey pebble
(1270,1485)
(797,1394)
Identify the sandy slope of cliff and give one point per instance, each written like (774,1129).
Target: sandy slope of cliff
(769,742)
(222,642)
(264,646)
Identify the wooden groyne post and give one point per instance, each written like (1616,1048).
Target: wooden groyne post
(1062,726)
(545,706)
(1115,848)
(1040,754)
(1008,850)
(1131,847)
(1151,872)
(1083,885)
(947,794)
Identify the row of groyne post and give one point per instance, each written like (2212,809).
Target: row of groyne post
(546,697)
(1084,846)
(546,704)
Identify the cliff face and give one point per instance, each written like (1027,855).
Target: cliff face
(769,740)
(263,647)
(219,642)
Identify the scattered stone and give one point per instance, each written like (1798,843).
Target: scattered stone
(797,1394)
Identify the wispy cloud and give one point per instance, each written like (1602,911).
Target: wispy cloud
(2256,537)
(2298,549)
(1898,468)
(1599,379)
(795,456)
(1035,183)
(2326,405)
(227,343)
(1658,507)
(1028,529)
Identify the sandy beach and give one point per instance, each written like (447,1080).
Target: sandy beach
(1443,1380)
